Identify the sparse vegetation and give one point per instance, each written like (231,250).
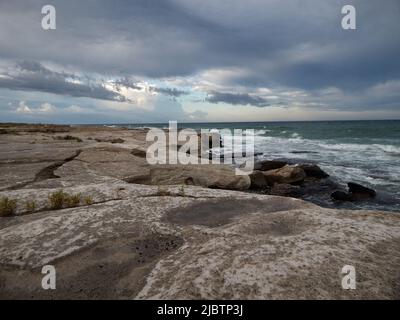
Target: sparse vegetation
(30,206)
(163,191)
(6,131)
(116,140)
(88,200)
(74,200)
(68,138)
(7,207)
(60,199)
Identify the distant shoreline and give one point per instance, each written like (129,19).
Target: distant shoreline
(210,122)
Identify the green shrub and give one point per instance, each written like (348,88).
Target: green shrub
(30,206)
(88,200)
(7,207)
(58,199)
(69,138)
(74,200)
(61,199)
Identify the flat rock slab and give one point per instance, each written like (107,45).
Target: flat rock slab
(214,213)
(200,243)
(169,241)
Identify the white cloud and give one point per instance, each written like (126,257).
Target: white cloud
(46,108)
(23,108)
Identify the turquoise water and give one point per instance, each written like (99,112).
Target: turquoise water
(366,152)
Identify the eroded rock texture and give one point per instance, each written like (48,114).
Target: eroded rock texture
(135,241)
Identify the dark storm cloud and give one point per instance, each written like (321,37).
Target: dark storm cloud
(294,44)
(32,76)
(237,99)
(127,83)
(173,92)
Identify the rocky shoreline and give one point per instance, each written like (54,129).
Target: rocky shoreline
(85,200)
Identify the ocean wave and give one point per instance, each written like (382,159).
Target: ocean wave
(390,149)
(252,132)
(296,136)
(266,127)
(260,132)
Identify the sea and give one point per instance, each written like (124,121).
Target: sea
(364,152)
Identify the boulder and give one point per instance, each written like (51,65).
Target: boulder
(287,174)
(359,191)
(258,180)
(205,175)
(314,171)
(356,192)
(267,165)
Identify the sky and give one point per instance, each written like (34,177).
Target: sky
(147,61)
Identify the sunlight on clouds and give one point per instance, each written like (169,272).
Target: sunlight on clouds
(24,108)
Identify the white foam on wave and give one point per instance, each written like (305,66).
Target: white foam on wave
(361,147)
(260,132)
(388,148)
(296,136)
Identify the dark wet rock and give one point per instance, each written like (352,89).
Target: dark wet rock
(285,190)
(258,180)
(314,171)
(267,165)
(341,196)
(356,192)
(359,191)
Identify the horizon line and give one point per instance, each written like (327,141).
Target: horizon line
(201,122)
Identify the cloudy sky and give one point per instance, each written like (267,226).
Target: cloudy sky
(143,61)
